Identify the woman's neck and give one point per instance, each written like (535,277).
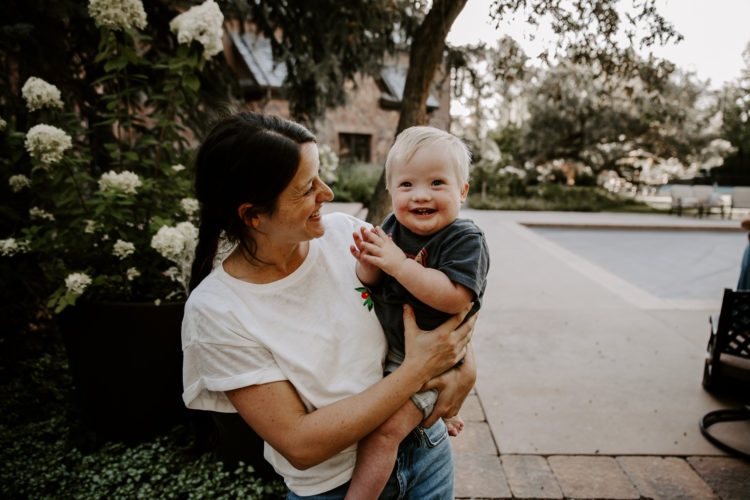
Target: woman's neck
(269,264)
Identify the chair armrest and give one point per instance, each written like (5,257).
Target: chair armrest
(714,322)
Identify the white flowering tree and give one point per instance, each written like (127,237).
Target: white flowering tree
(117,225)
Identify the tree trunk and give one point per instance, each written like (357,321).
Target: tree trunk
(424,58)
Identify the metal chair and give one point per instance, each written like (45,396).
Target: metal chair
(740,198)
(682,197)
(727,366)
(727,363)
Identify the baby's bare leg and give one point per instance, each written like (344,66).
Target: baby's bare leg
(376,453)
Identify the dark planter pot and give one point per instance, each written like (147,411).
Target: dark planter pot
(126,363)
(235,441)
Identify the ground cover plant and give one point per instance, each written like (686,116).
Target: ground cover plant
(555,197)
(46,453)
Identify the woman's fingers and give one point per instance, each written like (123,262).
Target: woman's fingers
(465,332)
(410,321)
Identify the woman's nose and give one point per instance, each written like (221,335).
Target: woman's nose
(325,192)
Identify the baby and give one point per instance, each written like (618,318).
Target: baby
(422,255)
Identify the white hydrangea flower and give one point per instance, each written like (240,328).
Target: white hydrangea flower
(77,282)
(37,93)
(47,143)
(37,213)
(126,181)
(202,23)
(190,233)
(179,167)
(132,273)
(168,241)
(178,245)
(123,249)
(189,205)
(3,124)
(18,182)
(118,14)
(11,246)
(90,226)
(173,273)
(329,164)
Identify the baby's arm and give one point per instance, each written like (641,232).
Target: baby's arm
(367,273)
(428,285)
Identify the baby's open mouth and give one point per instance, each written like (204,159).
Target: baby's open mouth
(423,211)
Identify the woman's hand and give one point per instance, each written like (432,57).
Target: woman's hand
(453,387)
(432,353)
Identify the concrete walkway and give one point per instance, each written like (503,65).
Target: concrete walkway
(588,385)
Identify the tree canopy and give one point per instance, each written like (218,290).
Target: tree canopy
(589,32)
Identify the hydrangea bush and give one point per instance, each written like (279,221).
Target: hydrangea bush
(111,215)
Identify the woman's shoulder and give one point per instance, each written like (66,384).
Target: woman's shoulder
(211,296)
(341,219)
(341,225)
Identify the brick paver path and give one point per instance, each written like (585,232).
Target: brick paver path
(482,472)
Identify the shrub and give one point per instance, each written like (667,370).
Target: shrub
(356,182)
(44,456)
(553,196)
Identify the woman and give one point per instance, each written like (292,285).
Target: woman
(278,332)
(744,282)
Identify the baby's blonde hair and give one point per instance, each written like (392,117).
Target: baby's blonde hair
(412,139)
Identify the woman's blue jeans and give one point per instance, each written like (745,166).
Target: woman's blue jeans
(424,469)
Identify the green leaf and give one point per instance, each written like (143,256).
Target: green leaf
(192,82)
(115,64)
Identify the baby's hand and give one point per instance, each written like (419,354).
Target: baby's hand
(367,271)
(381,251)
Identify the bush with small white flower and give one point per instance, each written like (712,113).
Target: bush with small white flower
(109,201)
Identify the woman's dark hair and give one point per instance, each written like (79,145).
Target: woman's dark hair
(246,158)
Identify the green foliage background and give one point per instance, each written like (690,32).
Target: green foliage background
(46,454)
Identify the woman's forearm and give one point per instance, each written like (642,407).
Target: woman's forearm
(275,412)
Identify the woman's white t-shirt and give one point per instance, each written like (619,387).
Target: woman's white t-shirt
(310,328)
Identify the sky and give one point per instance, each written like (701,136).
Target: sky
(715,34)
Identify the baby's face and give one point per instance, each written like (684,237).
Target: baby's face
(426,192)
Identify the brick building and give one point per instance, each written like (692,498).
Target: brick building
(360,131)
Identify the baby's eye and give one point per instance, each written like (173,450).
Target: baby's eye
(405,184)
(438,182)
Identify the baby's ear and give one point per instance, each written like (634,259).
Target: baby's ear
(464,192)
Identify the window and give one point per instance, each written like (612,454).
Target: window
(354,148)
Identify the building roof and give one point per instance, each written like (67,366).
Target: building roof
(257,54)
(393,81)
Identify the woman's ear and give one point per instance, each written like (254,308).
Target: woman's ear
(245,212)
